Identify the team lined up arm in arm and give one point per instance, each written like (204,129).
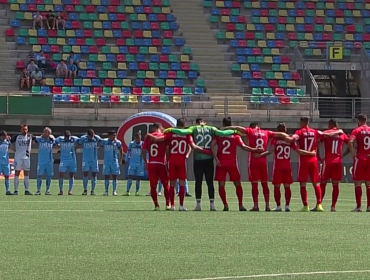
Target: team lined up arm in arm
(214,151)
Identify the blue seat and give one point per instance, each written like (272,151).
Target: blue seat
(317,36)
(163,74)
(75,90)
(135,25)
(30,1)
(82,73)
(68,24)
(246,75)
(279,36)
(140,58)
(139,82)
(72,41)
(168,91)
(145,99)
(300,5)
(72,16)
(85,49)
(175,66)
(312,45)
(126,90)
(100,9)
(287,76)
(117,33)
(215,12)
(104,98)
(234,43)
(42,33)
(274,100)
(330,13)
(23,7)
(65,98)
(186,99)
(147,42)
(15,23)
(107,25)
(111,58)
(133,66)
(308,20)
(276,59)
(253,83)
(179,42)
(21,40)
(239,35)
(264,99)
(255,67)
(291,92)
(292,13)
(241,59)
(146,25)
(170,17)
(45,48)
(259,27)
(358,37)
(156,34)
(228,4)
(365,13)
(57,97)
(152,17)
(85,90)
(367,28)
(174,26)
(79,33)
(248,51)
(58,8)
(139,10)
(256,13)
(139,42)
(59,82)
(105,2)
(95,82)
(239,51)
(234,19)
(179,83)
(123,50)
(192,75)
(348,21)
(342,6)
(45,90)
(273,20)
(299,28)
(90,65)
(263,83)
(348,45)
(166,50)
(154,58)
(198,91)
(67,2)
(271,44)
(121,74)
(264,5)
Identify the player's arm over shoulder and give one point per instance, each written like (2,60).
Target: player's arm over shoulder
(157,139)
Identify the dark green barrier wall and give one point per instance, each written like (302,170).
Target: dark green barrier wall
(29,105)
(3,104)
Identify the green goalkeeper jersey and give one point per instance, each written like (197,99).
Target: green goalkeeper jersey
(202,135)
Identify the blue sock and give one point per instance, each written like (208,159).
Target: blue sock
(93,183)
(71,181)
(114,183)
(106,184)
(84,182)
(48,183)
(186,186)
(177,186)
(7,185)
(61,184)
(160,186)
(39,183)
(128,186)
(137,185)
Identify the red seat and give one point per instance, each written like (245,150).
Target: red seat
(112,9)
(366,37)
(52,33)
(167,34)
(350,6)
(264,13)
(321,45)
(185,66)
(351,28)
(143,66)
(320,20)
(326,36)
(39,2)
(148,83)
(308,28)
(285,60)
(273,83)
(236,4)
(242,43)
(126,34)
(54,48)
(88,33)
(177,90)
(172,74)
(133,50)
(157,3)
(41,41)
(338,13)
(310,5)
(47,56)
(156,42)
(57,90)
(148,10)
(249,35)
(269,27)
(138,34)
(68,82)
(114,2)
(241,19)
(10,32)
(300,13)
(76,2)
(90,9)
(97,90)
(279,44)
(116,25)
(114,98)
(20,64)
(295,76)
(257,75)
(230,27)
(32,8)
(161,17)
(225,12)
(154,25)
(272,5)
(137,90)
(100,42)
(121,17)
(282,20)
(90,73)
(74,98)
(292,36)
(121,42)
(121,58)
(155,99)
(279,92)
(163,58)
(109,82)
(285,100)
(80,41)
(93,49)
(3,2)
(76,25)
(69,8)
(256,51)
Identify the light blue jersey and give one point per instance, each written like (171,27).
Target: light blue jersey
(111,155)
(4,157)
(67,153)
(45,156)
(133,156)
(90,152)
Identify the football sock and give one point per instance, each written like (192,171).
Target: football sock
(61,184)
(153,194)
(177,186)
(48,183)
(277,195)
(368,195)
(7,185)
(304,196)
(182,195)
(160,186)
(199,202)
(186,186)
(222,192)
(288,195)
(211,202)
(39,183)
(266,192)
(26,183)
(172,195)
(114,184)
(239,194)
(137,185)
(106,184)
(358,194)
(167,194)
(334,195)
(93,183)
(84,182)
(70,186)
(128,186)
(255,193)
(323,190)
(16,183)
(318,194)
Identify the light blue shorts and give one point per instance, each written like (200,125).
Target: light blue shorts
(136,170)
(68,166)
(45,169)
(5,169)
(91,166)
(111,168)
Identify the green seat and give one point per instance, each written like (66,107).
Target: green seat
(367,21)
(128,2)
(56,56)
(93,17)
(292,44)
(251,59)
(200,83)
(282,84)
(347,13)
(347,52)
(121,10)
(329,20)
(164,99)
(32,40)
(320,6)
(85,2)
(153,66)
(107,90)
(266,51)
(234,12)
(130,58)
(300,36)
(123,98)
(20,15)
(366,45)
(256,91)
(273,13)
(270,75)
(36,89)
(167,42)
(23,32)
(105,49)
(290,20)
(251,43)
(144,50)
(319,27)
(77,82)
(248,5)
(240,27)
(267,91)
(93,57)
(281,5)
(159,83)
(66,49)
(172,58)
(133,17)
(213,19)
(310,13)
(255,100)
(280,27)
(165,26)
(146,90)
(118,82)
(103,74)
(186,90)
(186,50)
(235,67)
(79,8)
(260,59)
(166,3)
(359,6)
(61,33)
(300,92)
(52,41)
(337,37)
(219,35)
(140,74)
(207,4)
(259,36)
(66,90)
(256,20)
(49,2)
(90,42)
(294,100)
(359,28)
(130,42)
(181,75)
(125,25)
(98,33)
(194,67)
(163,66)
(84,98)
(40,8)
(308,52)
(275,67)
(87,25)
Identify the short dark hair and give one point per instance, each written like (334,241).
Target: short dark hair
(281,127)
(198,120)
(180,122)
(333,122)
(24,125)
(3,133)
(111,132)
(304,120)
(362,117)
(253,124)
(156,126)
(90,132)
(226,121)
(67,133)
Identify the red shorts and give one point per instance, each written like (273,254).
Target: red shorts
(361,169)
(282,176)
(308,168)
(257,171)
(331,170)
(157,171)
(176,171)
(223,170)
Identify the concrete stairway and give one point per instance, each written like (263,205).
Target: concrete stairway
(210,57)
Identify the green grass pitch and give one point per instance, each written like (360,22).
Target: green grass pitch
(85,237)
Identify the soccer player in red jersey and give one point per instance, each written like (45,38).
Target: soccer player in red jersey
(332,162)
(226,159)
(155,163)
(361,159)
(282,170)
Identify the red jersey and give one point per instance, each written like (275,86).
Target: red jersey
(282,151)
(178,145)
(156,151)
(226,148)
(258,138)
(362,136)
(307,139)
(333,146)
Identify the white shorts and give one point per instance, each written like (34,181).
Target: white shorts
(22,164)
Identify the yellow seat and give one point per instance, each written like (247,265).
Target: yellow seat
(320,13)
(367,6)
(275,51)
(102,57)
(126,82)
(122,66)
(267,59)
(184,58)
(76,49)
(308,36)
(61,41)
(154,90)
(49,7)
(349,37)
(21,1)
(14,7)
(284,67)
(147,34)
(57,2)
(220,4)
(96,2)
(303,44)
(291,84)
(114,49)
(108,33)
(317,52)
(136,2)
(278,75)
(262,44)
(65,56)
(177,99)
(229,35)
(328,28)
(150,74)
(86,82)
(356,13)
(103,17)
(256,5)
(329,6)
(112,74)
(264,20)
(129,10)
(32,32)
(83,65)
(166,10)
(289,5)
(132,99)
(142,17)
(70,33)
(299,20)
(290,27)
(28,16)
(250,26)
(225,19)
(245,67)
(97,25)
(93,98)
(116,90)
(339,20)
(49,81)
(153,50)
(283,13)
(36,48)
(270,36)
(170,83)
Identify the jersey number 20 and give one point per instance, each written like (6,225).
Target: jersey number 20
(178,147)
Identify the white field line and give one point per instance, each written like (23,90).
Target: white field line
(50,210)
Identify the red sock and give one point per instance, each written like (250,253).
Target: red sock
(239,194)
(304,196)
(323,190)
(167,194)
(277,195)
(172,195)
(222,192)
(334,195)
(266,192)
(288,195)
(153,194)
(358,194)
(255,194)
(368,195)
(182,195)
(318,193)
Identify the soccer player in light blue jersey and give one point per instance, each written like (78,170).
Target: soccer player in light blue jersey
(68,163)
(135,163)
(4,159)
(112,160)
(45,162)
(90,144)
